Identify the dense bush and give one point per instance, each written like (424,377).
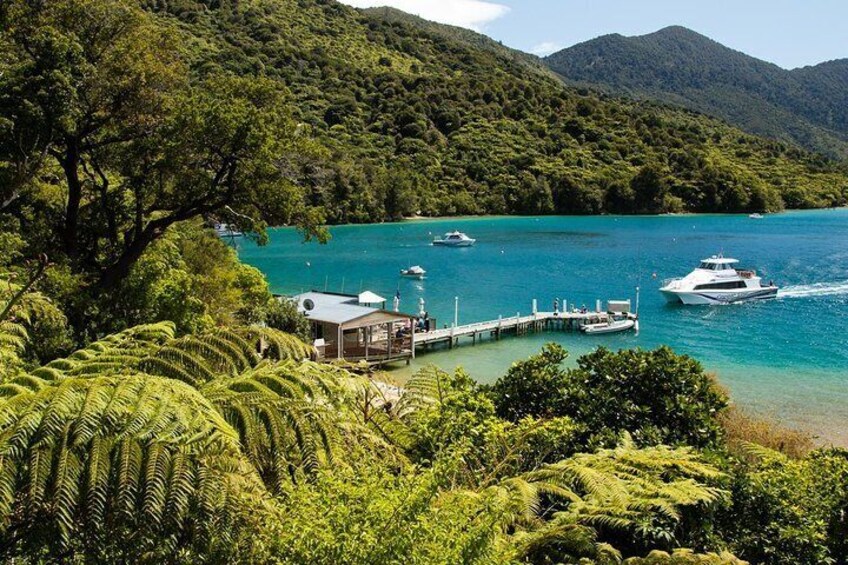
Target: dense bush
(656,396)
(789,511)
(420,118)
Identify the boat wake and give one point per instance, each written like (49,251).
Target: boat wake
(817,289)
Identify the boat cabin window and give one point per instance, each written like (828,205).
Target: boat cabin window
(721,286)
(709,266)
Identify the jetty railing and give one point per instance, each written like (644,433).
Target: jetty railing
(518,325)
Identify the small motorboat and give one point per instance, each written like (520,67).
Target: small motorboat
(224,230)
(717,281)
(455,239)
(612,326)
(756,216)
(414,272)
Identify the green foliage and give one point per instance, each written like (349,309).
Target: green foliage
(111,142)
(166,445)
(685,557)
(789,511)
(376,517)
(191,278)
(803,106)
(282,314)
(425,118)
(538,386)
(141,455)
(632,496)
(656,396)
(32,328)
(443,409)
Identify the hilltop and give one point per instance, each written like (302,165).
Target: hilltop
(807,106)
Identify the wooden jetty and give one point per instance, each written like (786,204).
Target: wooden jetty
(515,325)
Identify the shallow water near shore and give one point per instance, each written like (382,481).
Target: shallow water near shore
(787,357)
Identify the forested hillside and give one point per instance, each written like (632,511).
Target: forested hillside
(159,405)
(414,121)
(806,106)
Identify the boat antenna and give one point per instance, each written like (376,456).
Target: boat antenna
(637,300)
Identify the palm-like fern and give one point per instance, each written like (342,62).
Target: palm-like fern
(120,429)
(18,306)
(135,417)
(284,415)
(636,493)
(148,453)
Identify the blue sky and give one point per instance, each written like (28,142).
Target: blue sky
(790,33)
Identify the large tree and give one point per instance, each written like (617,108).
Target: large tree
(97,103)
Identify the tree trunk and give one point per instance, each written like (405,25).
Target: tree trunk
(70,164)
(117,271)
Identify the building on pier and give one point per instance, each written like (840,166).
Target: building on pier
(357,327)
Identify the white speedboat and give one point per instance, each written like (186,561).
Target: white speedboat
(414,272)
(611,327)
(455,239)
(756,216)
(717,281)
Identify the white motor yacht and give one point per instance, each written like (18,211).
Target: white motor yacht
(717,281)
(455,239)
(414,272)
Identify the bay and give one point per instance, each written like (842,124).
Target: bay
(787,357)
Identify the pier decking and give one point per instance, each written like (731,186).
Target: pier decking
(517,325)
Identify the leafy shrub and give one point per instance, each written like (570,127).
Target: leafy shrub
(656,396)
(789,511)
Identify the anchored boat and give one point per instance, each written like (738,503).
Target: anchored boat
(612,326)
(619,318)
(455,239)
(414,272)
(225,230)
(717,281)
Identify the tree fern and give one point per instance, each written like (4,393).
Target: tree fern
(19,305)
(626,489)
(283,425)
(115,353)
(132,450)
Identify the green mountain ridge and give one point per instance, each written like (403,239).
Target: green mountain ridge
(420,118)
(807,106)
(462,35)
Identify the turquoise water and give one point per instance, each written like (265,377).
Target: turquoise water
(788,357)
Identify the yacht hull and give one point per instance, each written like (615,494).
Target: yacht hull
(706,297)
(452,244)
(610,327)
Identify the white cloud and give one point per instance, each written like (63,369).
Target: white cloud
(546,48)
(472,14)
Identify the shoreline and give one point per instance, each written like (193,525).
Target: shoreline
(824,433)
(415,219)
(788,368)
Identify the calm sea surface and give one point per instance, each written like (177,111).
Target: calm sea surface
(787,357)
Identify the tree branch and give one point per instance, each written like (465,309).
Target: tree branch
(36,275)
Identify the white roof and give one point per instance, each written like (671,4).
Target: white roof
(336,309)
(719,260)
(369,297)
